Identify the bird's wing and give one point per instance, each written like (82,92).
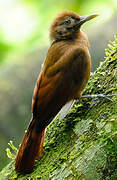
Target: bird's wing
(44,87)
(46,81)
(55,86)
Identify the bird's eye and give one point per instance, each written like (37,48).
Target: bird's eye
(67,21)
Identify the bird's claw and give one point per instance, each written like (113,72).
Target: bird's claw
(100,96)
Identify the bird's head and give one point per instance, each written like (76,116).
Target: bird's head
(67,24)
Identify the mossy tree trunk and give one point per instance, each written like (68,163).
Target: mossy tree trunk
(82,146)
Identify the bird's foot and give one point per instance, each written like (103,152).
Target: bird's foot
(99,96)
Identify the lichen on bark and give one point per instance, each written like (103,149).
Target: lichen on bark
(82,146)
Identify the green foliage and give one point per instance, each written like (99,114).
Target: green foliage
(13,148)
(4,49)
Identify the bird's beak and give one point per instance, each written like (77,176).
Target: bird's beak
(84,19)
(87,18)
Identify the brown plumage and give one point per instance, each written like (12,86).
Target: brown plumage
(63,77)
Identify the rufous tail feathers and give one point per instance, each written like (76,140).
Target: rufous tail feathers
(30,149)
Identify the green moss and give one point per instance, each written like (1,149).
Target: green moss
(82,146)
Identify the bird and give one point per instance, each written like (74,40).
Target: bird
(63,77)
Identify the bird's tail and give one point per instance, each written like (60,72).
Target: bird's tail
(30,149)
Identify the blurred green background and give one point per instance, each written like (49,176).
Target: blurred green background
(24,41)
